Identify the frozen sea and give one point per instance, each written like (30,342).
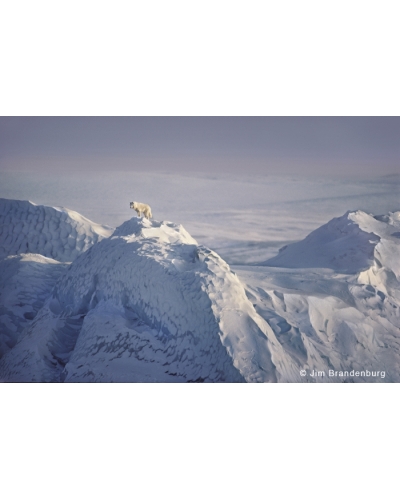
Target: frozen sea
(245,218)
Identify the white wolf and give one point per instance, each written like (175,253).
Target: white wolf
(141,208)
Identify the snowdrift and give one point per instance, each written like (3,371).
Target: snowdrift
(147,303)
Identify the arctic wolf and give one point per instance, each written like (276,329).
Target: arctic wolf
(141,208)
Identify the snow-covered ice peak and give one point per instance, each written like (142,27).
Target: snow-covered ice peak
(345,244)
(54,232)
(164,231)
(146,304)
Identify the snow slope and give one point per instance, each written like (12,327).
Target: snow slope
(334,304)
(26,281)
(57,233)
(148,304)
(345,244)
(327,321)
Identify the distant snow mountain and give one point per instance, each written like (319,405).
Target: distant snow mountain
(147,303)
(345,244)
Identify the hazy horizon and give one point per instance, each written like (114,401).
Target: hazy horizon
(316,146)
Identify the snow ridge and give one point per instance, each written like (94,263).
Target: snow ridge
(345,244)
(148,294)
(54,232)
